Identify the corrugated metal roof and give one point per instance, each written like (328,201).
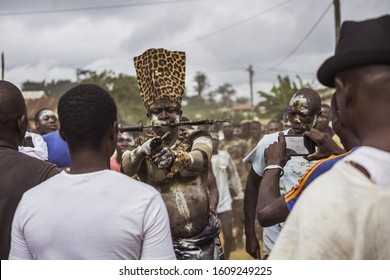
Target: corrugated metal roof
(33,94)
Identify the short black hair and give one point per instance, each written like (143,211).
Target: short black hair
(313,98)
(275,121)
(12,104)
(86,112)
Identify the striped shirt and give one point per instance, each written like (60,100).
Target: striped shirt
(291,197)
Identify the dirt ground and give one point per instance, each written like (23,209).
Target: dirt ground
(240,254)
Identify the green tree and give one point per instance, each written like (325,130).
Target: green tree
(58,88)
(242,100)
(32,86)
(201,83)
(124,90)
(227,92)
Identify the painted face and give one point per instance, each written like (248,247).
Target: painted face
(164,112)
(299,115)
(47,122)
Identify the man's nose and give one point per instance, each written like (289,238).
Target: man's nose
(163,115)
(296,118)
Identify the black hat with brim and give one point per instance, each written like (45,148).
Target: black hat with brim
(361,43)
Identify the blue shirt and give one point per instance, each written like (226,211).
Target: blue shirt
(57,149)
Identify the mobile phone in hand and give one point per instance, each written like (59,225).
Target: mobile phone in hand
(299,145)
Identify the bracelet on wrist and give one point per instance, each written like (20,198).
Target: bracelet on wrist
(275,166)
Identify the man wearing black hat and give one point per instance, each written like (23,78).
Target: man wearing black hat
(344,215)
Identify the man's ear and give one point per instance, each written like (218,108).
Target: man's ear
(346,96)
(338,84)
(22,127)
(115,131)
(61,133)
(111,136)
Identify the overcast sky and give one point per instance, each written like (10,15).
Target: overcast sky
(42,41)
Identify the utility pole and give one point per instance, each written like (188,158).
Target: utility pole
(251,72)
(337,18)
(2,66)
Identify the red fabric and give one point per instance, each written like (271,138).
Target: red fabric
(114,164)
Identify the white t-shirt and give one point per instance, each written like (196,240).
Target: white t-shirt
(39,150)
(99,215)
(226,175)
(375,161)
(293,170)
(343,215)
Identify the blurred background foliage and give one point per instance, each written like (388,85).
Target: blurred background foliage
(221,102)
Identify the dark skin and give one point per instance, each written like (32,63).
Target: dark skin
(164,111)
(302,114)
(86,160)
(12,134)
(255,131)
(228,131)
(269,188)
(363,103)
(47,122)
(324,120)
(186,199)
(273,127)
(272,208)
(123,144)
(227,229)
(213,190)
(246,131)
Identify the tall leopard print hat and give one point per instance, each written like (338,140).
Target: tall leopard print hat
(161,75)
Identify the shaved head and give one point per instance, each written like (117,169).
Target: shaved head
(12,104)
(13,115)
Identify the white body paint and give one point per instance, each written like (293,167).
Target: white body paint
(300,103)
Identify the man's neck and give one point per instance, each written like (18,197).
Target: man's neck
(377,139)
(86,161)
(8,145)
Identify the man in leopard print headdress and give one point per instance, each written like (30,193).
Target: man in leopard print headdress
(174,160)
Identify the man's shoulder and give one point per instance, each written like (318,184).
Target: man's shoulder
(235,143)
(334,170)
(127,181)
(51,136)
(327,163)
(195,133)
(274,135)
(121,182)
(223,153)
(21,160)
